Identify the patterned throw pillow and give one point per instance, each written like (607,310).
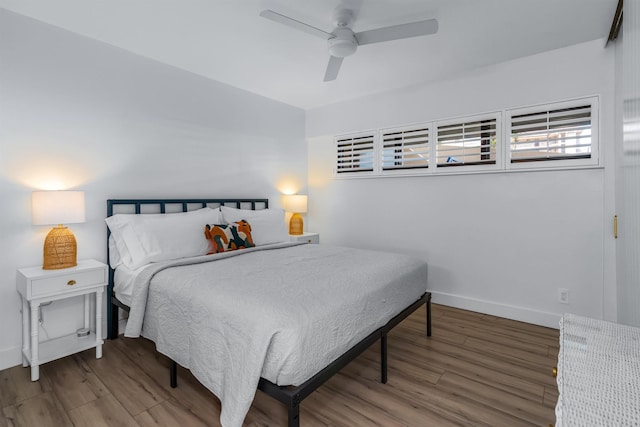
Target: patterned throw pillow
(228,237)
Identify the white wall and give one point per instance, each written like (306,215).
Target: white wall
(79,114)
(500,243)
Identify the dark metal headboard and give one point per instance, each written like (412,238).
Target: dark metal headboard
(136,206)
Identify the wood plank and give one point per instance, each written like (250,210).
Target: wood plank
(16,385)
(490,334)
(528,381)
(142,352)
(410,366)
(43,410)
(476,369)
(429,403)
(528,411)
(507,352)
(511,383)
(267,411)
(417,327)
(486,322)
(383,400)
(73,382)
(132,387)
(192,395)
(550,396)
(493,326)
(170,414)
(403,381)
(105,411)
(520,368)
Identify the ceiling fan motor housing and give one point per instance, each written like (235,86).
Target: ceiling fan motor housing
(343,44)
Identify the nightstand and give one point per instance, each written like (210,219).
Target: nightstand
(305,237)
(37,286)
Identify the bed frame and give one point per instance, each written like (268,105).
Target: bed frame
(290,396)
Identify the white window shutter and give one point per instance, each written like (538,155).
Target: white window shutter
(405,149)
(355,154)
(553,132)
(469,142)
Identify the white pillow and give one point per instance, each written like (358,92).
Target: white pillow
(114,254)
(126,242)
(141,239)
(267,225)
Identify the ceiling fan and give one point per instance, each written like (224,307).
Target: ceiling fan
(342,41)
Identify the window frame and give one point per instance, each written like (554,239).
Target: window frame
(374,156)
(406,171)
(465,168)
(503,144)
(559,163)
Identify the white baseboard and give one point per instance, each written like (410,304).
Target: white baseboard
(522,314)
(10,357)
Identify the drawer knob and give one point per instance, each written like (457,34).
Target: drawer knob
(71,282)
(555,372)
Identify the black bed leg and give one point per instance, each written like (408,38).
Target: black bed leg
(383,359)
(294,414)
(113,325)
(174,374)
(429,316)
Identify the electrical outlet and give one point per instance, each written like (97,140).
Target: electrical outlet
(563,295)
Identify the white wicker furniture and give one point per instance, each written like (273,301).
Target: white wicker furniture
(598,373)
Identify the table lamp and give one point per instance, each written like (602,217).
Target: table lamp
(58,207)
(296,203)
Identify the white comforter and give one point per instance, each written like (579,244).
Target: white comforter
(281,312)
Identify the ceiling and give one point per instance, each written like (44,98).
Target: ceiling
(227,40)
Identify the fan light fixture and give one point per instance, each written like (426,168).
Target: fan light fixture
(343,44)
(58,207)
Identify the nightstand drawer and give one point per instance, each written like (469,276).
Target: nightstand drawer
(67,282)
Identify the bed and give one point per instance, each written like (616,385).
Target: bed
(275,316)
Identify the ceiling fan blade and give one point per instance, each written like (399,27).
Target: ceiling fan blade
(402,31)
(332,68)
(274,16)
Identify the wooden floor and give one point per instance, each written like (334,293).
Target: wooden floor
(476,369)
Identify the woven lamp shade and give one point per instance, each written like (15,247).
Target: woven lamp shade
(58,207)
(60,249)
(296,225)
(296,203)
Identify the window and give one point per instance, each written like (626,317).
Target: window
(355,154)
(563,131)
(469,142)
(555,135)
(405,149)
